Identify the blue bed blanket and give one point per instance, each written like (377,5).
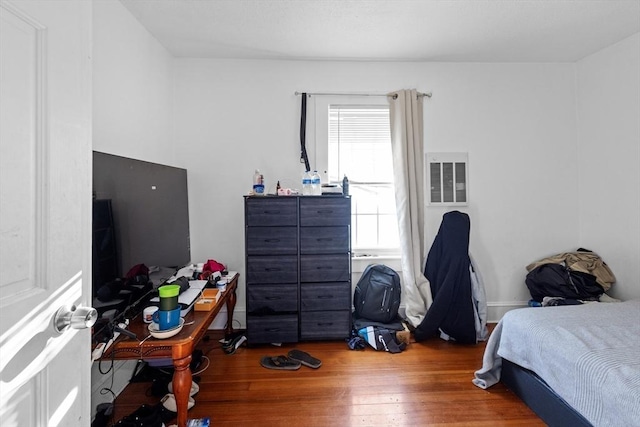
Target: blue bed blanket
(588,354)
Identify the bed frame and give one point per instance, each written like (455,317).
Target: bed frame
(541,398)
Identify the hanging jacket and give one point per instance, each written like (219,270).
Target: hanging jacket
(479,300)
(453,313)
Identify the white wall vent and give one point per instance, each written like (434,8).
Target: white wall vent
(447,181)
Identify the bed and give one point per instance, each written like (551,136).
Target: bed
(573,365)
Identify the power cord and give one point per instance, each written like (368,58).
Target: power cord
(203,369)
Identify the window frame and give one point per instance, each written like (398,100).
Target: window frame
(320,106)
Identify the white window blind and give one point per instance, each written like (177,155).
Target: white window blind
(359,146)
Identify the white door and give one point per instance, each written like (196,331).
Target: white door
(45,210)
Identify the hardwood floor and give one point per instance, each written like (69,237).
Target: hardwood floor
(427,384)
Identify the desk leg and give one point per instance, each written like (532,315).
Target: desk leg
(231,305)
(182,387)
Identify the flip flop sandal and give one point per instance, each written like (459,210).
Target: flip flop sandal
(305,358)
(280,362)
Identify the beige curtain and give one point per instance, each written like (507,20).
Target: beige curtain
(408,171)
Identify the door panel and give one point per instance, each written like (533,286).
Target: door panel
(45,195)
(21,62)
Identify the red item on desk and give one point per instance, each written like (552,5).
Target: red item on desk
(137,270)
(212,266)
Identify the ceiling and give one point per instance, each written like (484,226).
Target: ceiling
(388,30)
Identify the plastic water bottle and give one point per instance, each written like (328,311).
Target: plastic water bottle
(316,185)
(306,184)
(258,183)
(345,186)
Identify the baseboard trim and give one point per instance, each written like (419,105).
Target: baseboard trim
(497,309)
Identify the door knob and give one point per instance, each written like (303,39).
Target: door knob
(76,318)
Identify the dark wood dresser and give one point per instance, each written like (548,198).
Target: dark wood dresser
(298,268)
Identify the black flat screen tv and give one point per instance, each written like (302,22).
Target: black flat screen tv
(149,214)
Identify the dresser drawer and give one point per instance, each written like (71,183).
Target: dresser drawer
(325,211)
(325,296)
(324,240)
(272,240)
(318,325)
(272,269)
(269,299)
(272,329)
(325,268)
(271,211)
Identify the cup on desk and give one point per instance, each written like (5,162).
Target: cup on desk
(166,319)
(221,285)
(169,297)
(147,313)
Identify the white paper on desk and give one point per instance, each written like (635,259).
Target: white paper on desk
(197,284)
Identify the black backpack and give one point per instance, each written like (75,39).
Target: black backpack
(377,294)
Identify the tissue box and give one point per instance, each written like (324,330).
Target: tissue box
(208,299)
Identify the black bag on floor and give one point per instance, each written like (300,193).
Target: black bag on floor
(556,280)
(377,294)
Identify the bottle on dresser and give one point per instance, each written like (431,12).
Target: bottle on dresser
(258,183)
(316,184)
(306,183)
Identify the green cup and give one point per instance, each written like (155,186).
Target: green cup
(168,297)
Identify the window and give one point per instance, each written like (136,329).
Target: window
(356,138)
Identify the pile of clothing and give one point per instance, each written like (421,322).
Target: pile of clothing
(569,278)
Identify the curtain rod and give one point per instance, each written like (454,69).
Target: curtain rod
(428,94)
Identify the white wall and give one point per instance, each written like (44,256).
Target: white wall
(608,110)
(516,121)
(132,116)
(132,99)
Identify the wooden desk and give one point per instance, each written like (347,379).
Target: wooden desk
(178,347)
